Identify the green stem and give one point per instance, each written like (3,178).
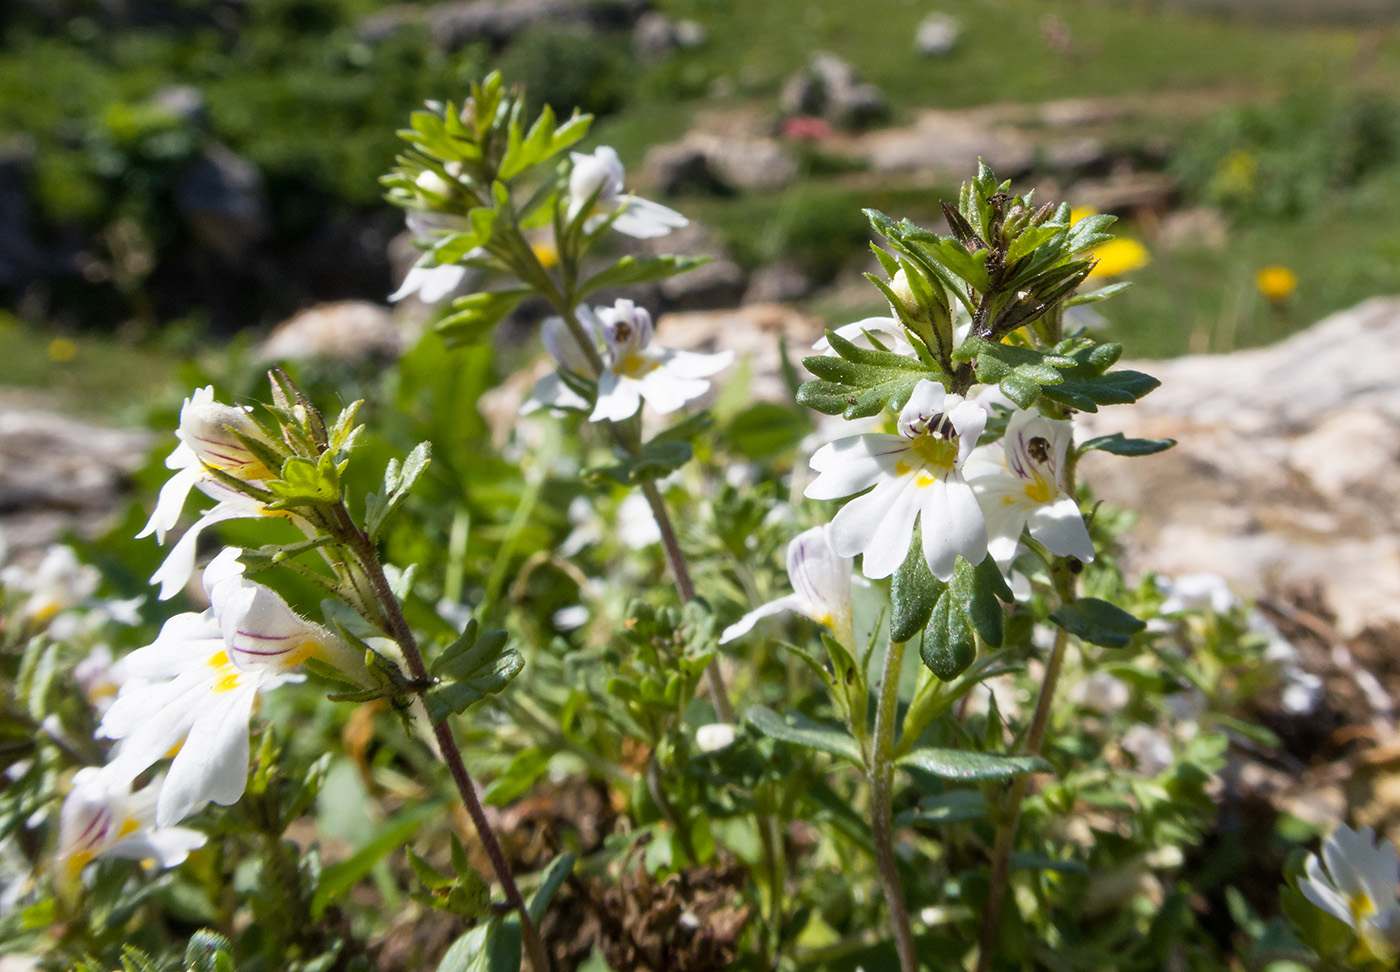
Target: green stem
(1006,827)
(881,774)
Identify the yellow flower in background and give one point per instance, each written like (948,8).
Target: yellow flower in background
(1117,257)
(546,252)
(62,350)
(1276,283)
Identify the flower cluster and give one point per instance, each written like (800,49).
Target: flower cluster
(188,697)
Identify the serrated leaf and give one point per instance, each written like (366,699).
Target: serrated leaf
(1098,622)
(1119,445)
(913,593)
(303,482)
(862,381)
(949,644)
(489,678)
(634,270)
(957,764)
(1114,388)
(793,727)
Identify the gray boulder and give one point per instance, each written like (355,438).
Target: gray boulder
(221,197)
(350,331)
(830,88)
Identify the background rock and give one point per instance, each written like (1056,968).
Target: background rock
(59,475)
(936,35)
(352,331)
(1286,473)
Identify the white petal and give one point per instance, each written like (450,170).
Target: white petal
(174,573)
(168,846)
(692,364)
(745,624)
(820,576)
(879,525)
(1318,889)
(952,525)
(666,392)
(925,401)
(171,500)
(643,219)
(969,419)
(855,333)
(551,392)
(854,463)
(618,398)
(1060,526)
(563,346)
(212,765)
(153,720)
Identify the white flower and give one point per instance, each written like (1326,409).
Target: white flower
(1196,592)
(429,281)
(101,817)
(60,582)
(821,584)
(559,340)
(192,691)
(715,736)
(1150,748)
(917,472)
(207,443)
(636,524)
(1101,692)
(98,678)
(1029,491)
(635,371)
(1358,886)
(602,173)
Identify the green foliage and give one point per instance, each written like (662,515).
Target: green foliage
(565,68)
(1284,160)
(474,666)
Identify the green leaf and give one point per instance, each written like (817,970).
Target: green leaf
(520,774)
(658,458)
(472,667)
(798,729)
(634,270)
(913,593)
(554,876)
(949,645)
(766,429)
(1098,622)
(860,382)
(1114,388)
(492,947)
(305,483)
(1121,446)
(473,316)
(955,806)
(975,592)
(337,879)
(957,764)
(398,481)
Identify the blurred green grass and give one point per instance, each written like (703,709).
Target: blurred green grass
(314,106)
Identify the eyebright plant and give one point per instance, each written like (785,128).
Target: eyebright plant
(765,775)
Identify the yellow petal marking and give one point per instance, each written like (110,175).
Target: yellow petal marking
(228,676)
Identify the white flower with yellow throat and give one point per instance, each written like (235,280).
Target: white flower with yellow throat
(917,476)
